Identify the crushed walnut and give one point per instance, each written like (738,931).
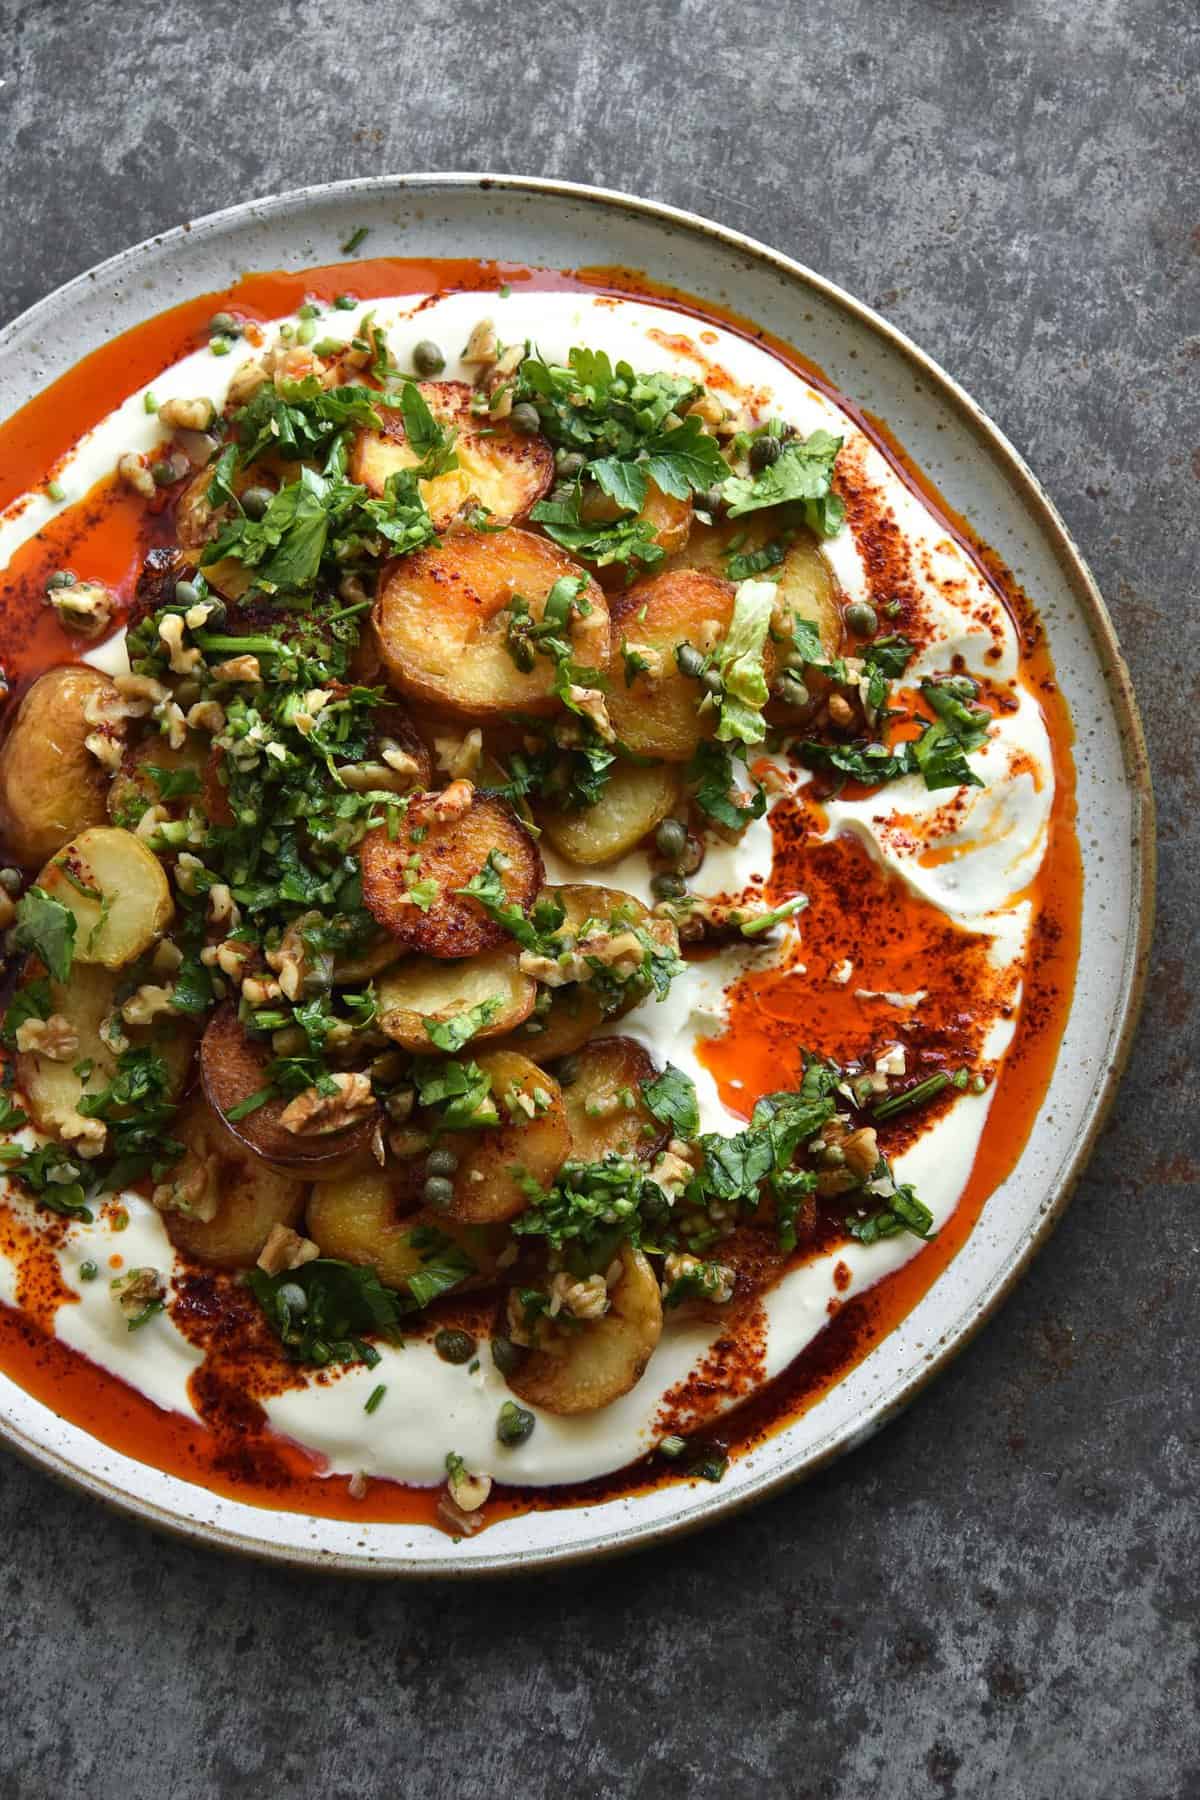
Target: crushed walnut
(55,1037)
(313,1113)
(285,1249)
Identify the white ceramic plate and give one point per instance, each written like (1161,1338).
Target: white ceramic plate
(564,226)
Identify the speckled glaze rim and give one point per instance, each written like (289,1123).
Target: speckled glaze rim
(1069,564)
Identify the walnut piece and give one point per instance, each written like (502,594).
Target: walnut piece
(313,1113)
(285,1249)
(54,1037)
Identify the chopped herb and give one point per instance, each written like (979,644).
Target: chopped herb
(354,240)
(671,1097)
(376,1396)
(451,1034)
(803,472)
(47,928)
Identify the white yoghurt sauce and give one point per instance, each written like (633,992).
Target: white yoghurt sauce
(997,835)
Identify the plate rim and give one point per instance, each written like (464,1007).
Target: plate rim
(1134,972)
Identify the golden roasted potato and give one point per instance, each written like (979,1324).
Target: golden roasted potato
(805,581)
(436,851)
(422,988)
(602,1358)
(51,786)
(671,519)
(133,788)
(635,799)
(197,522)
(117,890)
(659,715)
(574,1012)
(603,1101)
(443,615)
(534,1141)
(51,1085)
(499,468)
(249,1196)
(233,1067)
(368,1219)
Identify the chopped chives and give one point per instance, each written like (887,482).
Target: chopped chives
(149,402)
(354,240)
(926,1090)
(377,1394)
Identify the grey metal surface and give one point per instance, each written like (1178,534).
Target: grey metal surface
(998,1595)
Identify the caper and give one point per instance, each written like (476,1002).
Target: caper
(224,324)
(833,1156)
(671,839)
(10,880)
(293,1296)
(713,680)
(454,1346)
(515,1424)
(710,501)
(255,501)
(218,612)
(427,358)
(568,1071)
(60,579)
(570,464)
(763,452)
(792,691)
(689,661)
(506,1355)
(668,887)
(163,473)
(861,619)
(187,593)
(438,1192)
(525,418)
(441,1162)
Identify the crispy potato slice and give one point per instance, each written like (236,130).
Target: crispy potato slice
(52,1088)
(805,581)
(499,467)
(422,988)
(133,788)
(659,714)
(51,786)
(442,618)
(249,1196)
(605,1110)
(603,1358)
(368,1219)
(535,1141)
(233,1067)
(117,890)
(671,519)
(197,523)
(634,801)
(574,1013)
(452,851)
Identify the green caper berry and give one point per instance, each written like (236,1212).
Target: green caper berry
(689,661)
(763,452)
(441,1162)
(217,612)
(793,692)
(861,619)
(668,887)
(454,1346)
(60,579)
(514,1425)
(255,502)
(438,1192)
(506,1355)
(187,593)
(88,1271)
(428,358)
(525,418)
(570,464)
(293,1296)
(11,882)
(710,501)
(568,1071)
(713,680)
(345,302)
(224,324)
(671,839)
(163,473)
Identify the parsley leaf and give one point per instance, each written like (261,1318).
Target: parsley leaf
(671,1097)
(739,658)
(47,928)
(451,1034)
(340,1302)
(803,471)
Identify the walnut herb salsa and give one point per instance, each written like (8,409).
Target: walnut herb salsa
(411,633)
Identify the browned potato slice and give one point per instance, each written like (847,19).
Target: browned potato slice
(233,1067)
(805,581)
(117,890)
(51,1086)
(133,788)
(51,786)
(421,988)
(250,1196)
(671,519)
(197,522)
(659,715)
(442,618)
(500,468)
(635,800)
(605,1110)
(604,1357)
(535,1141)
(452,851)
(367,1219)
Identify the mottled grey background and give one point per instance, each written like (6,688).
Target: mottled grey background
(998,1596)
